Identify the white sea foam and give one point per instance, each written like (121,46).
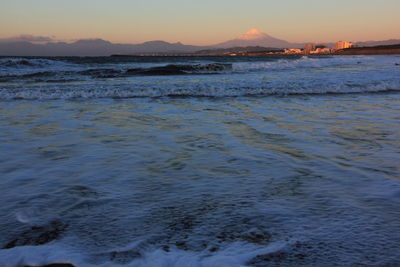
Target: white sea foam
(20,66)
(38,255)
(197,90)
(233,255)
(306,75)
(33,62)
(309,62)
(201,181)
(22,62)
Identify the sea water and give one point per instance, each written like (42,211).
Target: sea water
(207,161)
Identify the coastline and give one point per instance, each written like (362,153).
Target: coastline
(373,50)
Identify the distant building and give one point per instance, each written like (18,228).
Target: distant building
(293,51)
(342,45)
(308,48)
(325,50)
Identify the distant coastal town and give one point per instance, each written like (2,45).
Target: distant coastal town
(340,48)
(318,49)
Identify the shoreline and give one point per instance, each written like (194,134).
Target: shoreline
(376,50)
(373,50)
(360,52)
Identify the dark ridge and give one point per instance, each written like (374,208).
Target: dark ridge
(39,74)
(59,80)
(371,50)
(6,78)
(165,70)
(180,69)
(394,46)
(101,73)
(16,62)
(22,62)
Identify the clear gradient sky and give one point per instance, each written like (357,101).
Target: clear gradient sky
(202,21)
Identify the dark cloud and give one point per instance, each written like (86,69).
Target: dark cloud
(28,38)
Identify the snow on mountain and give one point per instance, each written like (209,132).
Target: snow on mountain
(253,34)
(255,37)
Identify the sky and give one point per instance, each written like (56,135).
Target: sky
(201,22)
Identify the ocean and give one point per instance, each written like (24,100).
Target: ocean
(200,161)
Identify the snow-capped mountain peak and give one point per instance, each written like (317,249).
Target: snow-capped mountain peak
(252,34)
(255,37)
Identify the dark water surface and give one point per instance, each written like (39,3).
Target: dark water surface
(260,180)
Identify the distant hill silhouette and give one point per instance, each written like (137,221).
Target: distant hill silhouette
(28,45)
(375,43)
(92,47)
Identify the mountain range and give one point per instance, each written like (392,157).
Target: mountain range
(91,47)
(29,46)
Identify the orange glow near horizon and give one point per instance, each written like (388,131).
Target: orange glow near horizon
(204,23)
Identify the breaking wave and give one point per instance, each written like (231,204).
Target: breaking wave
(303,62)
(30,62)
(181,69)
(40,78)
(82,92)
(96,73)
(12,68)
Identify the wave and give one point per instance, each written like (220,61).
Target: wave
(96,73)
(25,68)
(314,62)
(203,90)
(181,69)
(305,75)
(30,62)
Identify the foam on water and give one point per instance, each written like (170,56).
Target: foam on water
(306,75)
(241,88)
(38,256)
(21,66)
(302,180)
(234,255)
(312,62)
